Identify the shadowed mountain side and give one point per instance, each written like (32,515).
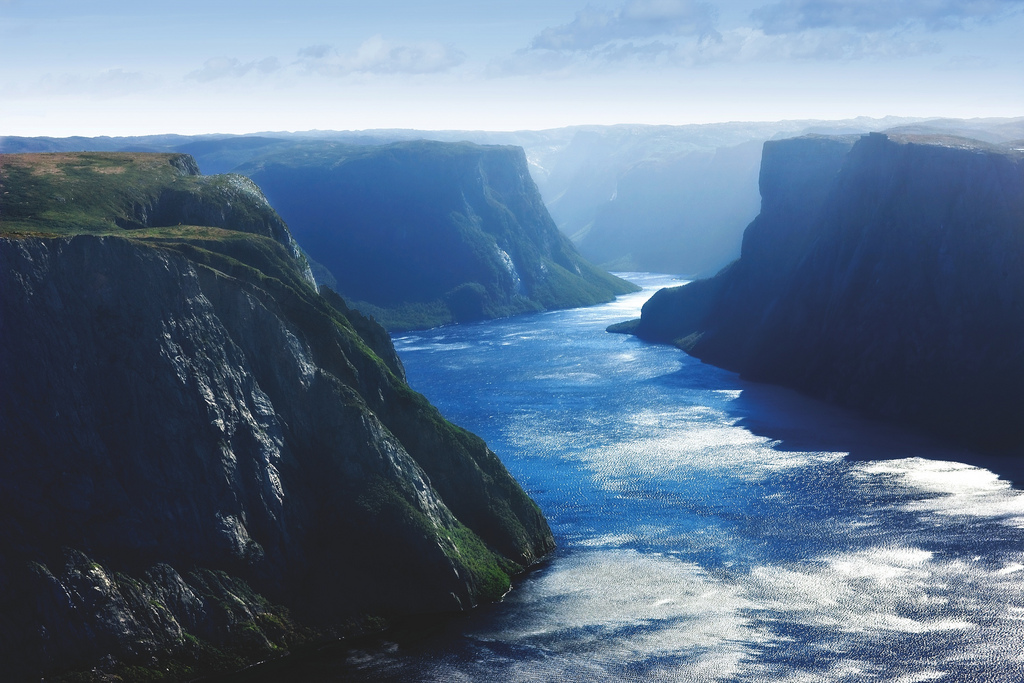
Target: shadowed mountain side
(206,461)
(887,280)
(682,213)
(657,198)
(801,423)
(420,234)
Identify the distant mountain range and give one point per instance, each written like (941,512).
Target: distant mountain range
(661,198)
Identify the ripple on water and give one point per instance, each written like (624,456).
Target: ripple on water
(710,529)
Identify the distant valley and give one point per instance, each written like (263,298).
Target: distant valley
(211,452)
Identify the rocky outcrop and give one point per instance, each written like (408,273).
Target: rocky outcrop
(206,460)
(99,192)
(426,233)
(882,276)
(232,202)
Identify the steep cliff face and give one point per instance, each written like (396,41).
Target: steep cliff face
(426,233)
(88,192)
(715,316)
(204,458)
(890,282)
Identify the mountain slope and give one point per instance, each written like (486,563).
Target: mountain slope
(426,233)
(205,460)
(885,278)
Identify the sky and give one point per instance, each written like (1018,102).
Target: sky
(117,67)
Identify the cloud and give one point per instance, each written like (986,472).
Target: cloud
(103,85)
(640,31)
(822,45)
(967,63)
(685,33)
(316,51)
(379,56)
(229,67)
(743,45)
(637,19)
(794,16)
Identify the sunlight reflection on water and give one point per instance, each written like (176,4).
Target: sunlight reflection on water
(711,529)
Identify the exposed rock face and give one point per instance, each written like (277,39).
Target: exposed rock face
(200,448)
(886,278)
(232,202)
(426,233)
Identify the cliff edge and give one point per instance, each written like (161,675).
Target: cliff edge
(882,274)
(205,460)
(420,234)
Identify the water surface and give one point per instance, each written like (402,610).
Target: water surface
(709,528)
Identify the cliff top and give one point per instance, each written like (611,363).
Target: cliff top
(221,221)
(118,163)
(110,193)
(952,142)
(330,154)
(1014,150)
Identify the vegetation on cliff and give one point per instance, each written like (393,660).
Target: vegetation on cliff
(422,233)
(207,460)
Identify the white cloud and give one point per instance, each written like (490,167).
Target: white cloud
(380,56)
(793,16)
(640,31)
(684,33)
(316,51)
(743,45)
(826,45)
(229,67)
(637,19)
(102,85)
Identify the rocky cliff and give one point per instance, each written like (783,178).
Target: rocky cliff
(882,275)
(671,199)
(426,233)
(206,460)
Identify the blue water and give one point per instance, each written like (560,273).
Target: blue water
(709,528)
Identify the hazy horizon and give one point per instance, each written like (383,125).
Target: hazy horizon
(123,69)
(883,121)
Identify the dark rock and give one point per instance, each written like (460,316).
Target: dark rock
(882,276)
(198,446)
(426,233)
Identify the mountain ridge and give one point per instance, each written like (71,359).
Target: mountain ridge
(612,188)
(424,233)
